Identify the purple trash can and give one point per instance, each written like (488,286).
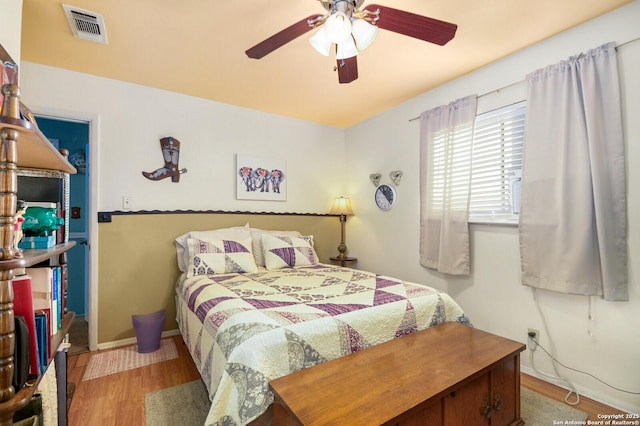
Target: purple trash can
(148,328)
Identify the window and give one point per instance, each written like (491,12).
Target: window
(451,171)
(496,167)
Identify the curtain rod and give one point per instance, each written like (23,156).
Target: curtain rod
(487,93)
(522,81)
(627,42)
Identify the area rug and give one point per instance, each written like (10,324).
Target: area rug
(188,405)
(538,410)
(184,405)
(111,362)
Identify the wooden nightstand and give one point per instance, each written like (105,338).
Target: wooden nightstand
(344,260)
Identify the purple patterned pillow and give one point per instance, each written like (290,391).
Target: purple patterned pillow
(287,252)
(220,256)
(233,233)
(256,236)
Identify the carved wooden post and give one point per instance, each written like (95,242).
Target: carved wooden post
(8,189)
(7,338)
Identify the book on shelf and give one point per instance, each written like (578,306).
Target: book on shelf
(45,292)
(57,289)
(21,352)
(64,275)
(23,306)
(62,230)
(49,340)
(42,335)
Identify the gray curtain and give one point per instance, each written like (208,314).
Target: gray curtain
(573,226)
(446,134)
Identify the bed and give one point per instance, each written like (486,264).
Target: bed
(255,305)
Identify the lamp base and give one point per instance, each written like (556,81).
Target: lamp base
(342,249)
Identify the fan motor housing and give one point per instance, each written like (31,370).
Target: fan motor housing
(331,5)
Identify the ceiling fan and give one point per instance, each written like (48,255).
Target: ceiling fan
(352,29)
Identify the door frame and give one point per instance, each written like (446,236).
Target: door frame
(93,120)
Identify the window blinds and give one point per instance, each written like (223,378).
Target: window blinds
(451,173)
(496,167)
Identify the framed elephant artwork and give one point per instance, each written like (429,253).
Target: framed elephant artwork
(261,178)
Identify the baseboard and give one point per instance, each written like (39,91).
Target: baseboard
(582,391)
(132,340)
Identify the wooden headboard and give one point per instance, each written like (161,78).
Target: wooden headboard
(137,258)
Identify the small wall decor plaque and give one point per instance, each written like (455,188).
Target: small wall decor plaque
(396,176)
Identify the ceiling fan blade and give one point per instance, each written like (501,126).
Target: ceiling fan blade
(347,69)
(412,25)
(280,39)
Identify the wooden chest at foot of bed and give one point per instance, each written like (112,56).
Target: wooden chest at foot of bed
(450,374)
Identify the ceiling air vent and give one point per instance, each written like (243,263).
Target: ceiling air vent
(85,24)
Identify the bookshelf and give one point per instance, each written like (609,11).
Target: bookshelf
(22,145)
(23,396)
(33,257)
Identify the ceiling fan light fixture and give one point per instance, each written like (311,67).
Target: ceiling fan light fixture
(347,49)
(363,33)
(320,41)
(338,27)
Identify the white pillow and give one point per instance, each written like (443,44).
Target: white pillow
(233,233)
(256,236)
(220,256)
(287,252)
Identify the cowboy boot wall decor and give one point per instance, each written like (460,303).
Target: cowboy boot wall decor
(171,152)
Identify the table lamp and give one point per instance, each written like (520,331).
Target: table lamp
(341,206)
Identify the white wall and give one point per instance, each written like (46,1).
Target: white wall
(387,242)
(132,119)
(11,27)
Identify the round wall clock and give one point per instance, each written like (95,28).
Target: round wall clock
(385,196)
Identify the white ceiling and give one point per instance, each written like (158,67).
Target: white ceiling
(197,47)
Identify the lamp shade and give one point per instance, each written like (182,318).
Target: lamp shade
(320,41)
(347,49)
(364,33)
(338,27)
(341,206)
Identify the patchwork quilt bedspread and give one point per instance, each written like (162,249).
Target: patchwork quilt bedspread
(244,330)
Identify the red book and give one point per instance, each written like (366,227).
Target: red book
(23,306)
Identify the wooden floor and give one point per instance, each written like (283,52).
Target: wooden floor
(118,399)
(554,392)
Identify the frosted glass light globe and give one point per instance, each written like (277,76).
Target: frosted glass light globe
(338,27)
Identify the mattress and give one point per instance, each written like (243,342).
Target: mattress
(243,330)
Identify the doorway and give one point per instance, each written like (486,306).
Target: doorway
(74,136)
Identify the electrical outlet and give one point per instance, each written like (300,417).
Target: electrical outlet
(533,337)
